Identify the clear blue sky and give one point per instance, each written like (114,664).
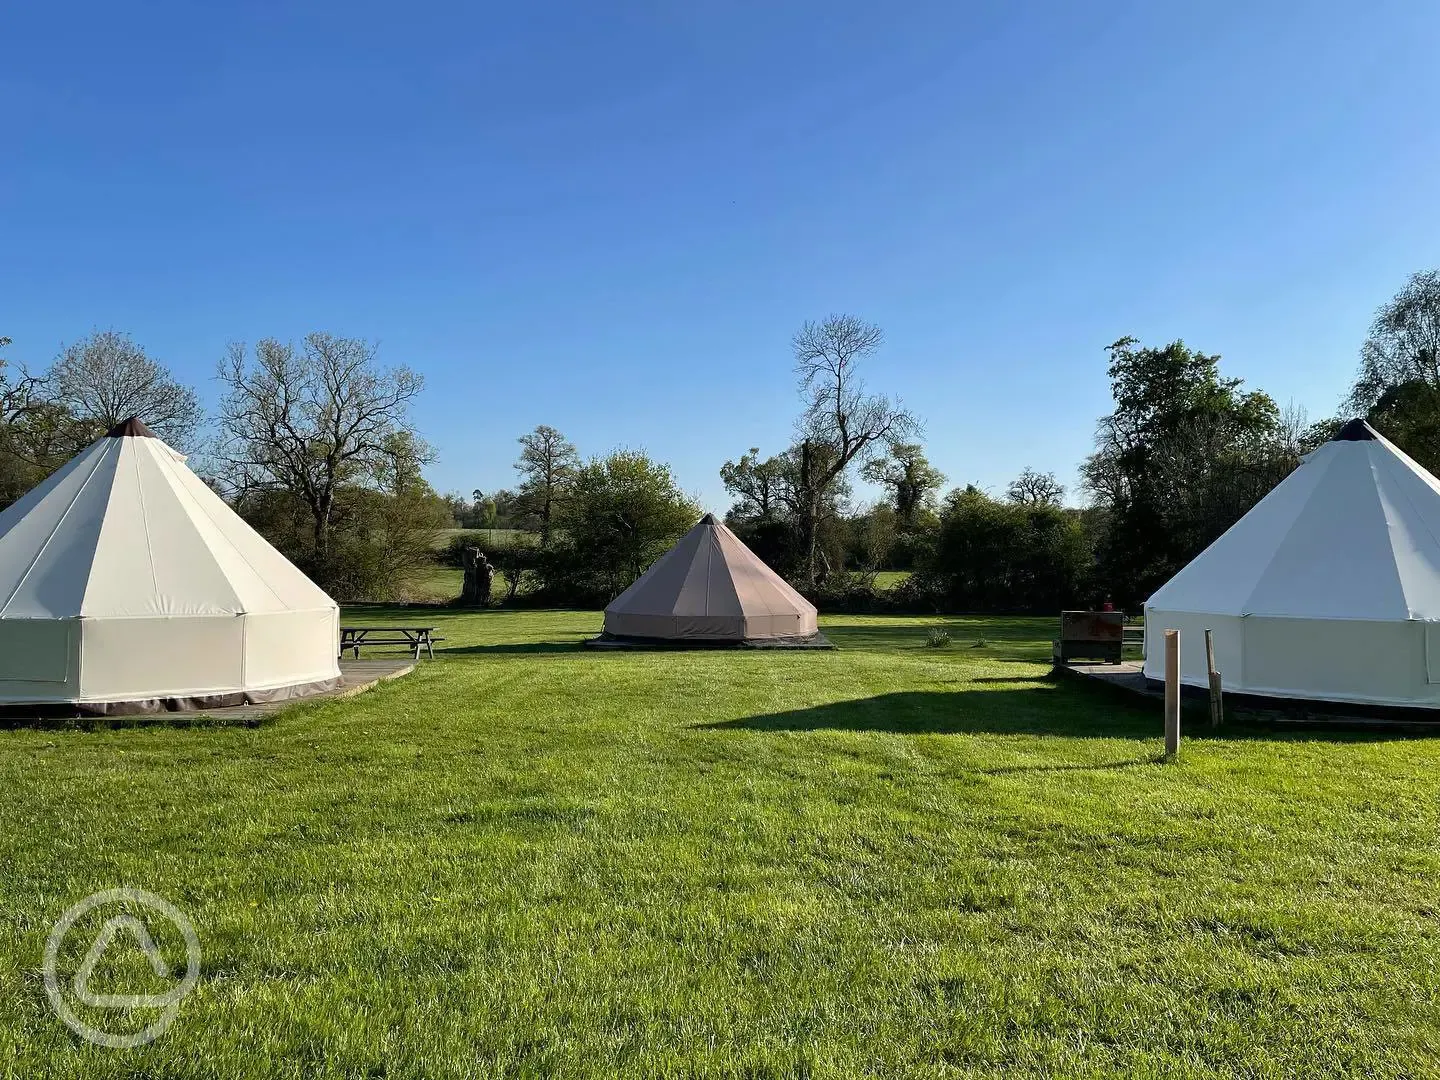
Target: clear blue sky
(611,217)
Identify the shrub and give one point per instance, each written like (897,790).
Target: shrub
(846,591)
(938,637)
(452,554)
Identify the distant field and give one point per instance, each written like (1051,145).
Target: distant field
(889,579)
(436,585)
(502,537)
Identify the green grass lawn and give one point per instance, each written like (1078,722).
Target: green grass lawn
(530,860)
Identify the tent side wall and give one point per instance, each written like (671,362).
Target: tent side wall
(1359,661)
(204,657)
(143,658)
(1376,663)
(291,648)
(1228,634)
(781,625)
(680,627)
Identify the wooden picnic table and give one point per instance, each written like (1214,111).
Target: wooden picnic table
(414,638)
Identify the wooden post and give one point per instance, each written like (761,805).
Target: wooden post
(1217,701)
(1172,693)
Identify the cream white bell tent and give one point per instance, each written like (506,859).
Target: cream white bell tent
(711,589)
(1328,589)
(127,585)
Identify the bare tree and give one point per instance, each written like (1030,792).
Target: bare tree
(36,436)
(841,421)
(106,378)
(312,420)
(1033,488)
(547,466)
(21,394)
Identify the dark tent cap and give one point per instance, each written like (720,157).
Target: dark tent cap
(709,519)
(134,427)
(1356,431)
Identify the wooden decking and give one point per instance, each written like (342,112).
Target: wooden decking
(1126,675)
(357,676)
(1129,676)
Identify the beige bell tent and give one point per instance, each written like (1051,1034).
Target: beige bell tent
(1328,589)
(710,589)
(127,585)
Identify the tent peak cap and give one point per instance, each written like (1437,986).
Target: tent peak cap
(709,519)
(131,428)
(1356,430)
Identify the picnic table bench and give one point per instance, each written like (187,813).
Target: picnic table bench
(414,638)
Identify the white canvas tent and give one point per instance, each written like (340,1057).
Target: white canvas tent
(1328,589)
(711,588)
(127,585)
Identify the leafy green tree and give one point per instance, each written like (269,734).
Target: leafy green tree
(774,501)
(547,467)
(620,514)
(1397,386)
(35,436)
(1184,454)
(912,481)
(380,541)
(1006,556)
(762,487)
(875,533)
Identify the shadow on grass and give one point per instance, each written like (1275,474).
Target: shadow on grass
(992,679)
(1104,766)
(1040,710)
(1063,709)
(992,639)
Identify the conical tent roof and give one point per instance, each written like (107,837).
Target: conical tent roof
(124,577)
(1327,590)
(710,587)
(1352,533)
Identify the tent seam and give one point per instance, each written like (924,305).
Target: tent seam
(46,545)
(1248,604)
(145,521)
(169,466)
(709,572)
(1423,524)
(1389,532)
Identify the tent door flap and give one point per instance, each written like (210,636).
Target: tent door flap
(1432,653)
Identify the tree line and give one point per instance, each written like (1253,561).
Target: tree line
(313,442)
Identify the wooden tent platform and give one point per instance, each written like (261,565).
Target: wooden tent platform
(356,677)
(1129,677)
